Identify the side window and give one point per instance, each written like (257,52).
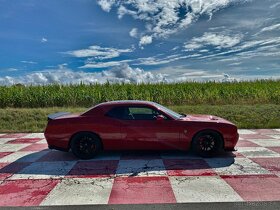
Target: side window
(143,113)
(116,112)
(133,113)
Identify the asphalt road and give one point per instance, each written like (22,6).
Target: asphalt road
(272,205)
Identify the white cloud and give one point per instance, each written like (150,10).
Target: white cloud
(218,40)
(118,74)
(271,28)
(98,52)
(106,5)
(163,18)
(249,49)
(133,33)
(96,65)
(28,62)
(150,61)
(124,74)
(43,40)
(228,78)
(183,74)
(12,69)
(275,5)
(145,40)
(235,64)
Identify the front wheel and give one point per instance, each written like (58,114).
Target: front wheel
(207,144)
(85,145)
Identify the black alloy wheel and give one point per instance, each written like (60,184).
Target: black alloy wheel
(85,145)
(207,144)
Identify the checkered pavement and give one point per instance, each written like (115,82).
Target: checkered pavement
(32,175)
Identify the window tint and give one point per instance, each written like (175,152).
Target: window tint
(133,113)
(140,110)
(116,112)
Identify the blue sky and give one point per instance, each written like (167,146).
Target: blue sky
(69,41)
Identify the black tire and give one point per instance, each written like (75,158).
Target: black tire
(85,145)
(207,143)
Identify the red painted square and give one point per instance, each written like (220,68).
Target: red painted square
(189,167)
(57,156)
(100,168)
(127,190)
(24,141)
(246,143)
(25,192)
(275,149)
(135,155)
(271,164)
(255,188)
(8,169)
(14,135)
(254,136)
(35,147)
(3,154)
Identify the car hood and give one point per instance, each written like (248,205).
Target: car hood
(205,118)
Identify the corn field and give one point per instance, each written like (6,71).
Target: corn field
(191,93)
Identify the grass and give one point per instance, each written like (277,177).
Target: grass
(190,93)
(244,116)
(247,104)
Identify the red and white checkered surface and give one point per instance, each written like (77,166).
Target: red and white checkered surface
(33,175)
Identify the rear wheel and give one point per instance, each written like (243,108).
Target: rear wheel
(207,143)
(85,145)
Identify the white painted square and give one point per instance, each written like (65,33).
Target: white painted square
(23,156)
(153,167)
(253,152)
(34,135)
(5,140)
(43,141)
(12,147)
(237,166)
(246,131)
(80,192)
(275,136)
(267,142)
(45,170)
(202,189)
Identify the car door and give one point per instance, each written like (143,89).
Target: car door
(143,130)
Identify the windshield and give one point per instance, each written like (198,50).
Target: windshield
(169,111)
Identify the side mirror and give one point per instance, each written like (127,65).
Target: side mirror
(183,114)
(160,117)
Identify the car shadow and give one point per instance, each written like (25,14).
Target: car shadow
(55,164)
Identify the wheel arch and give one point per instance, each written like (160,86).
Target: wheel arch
(85,131)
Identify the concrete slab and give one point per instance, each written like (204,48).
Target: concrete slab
(202,189)
(80,191)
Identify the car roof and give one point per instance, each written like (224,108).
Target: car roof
(103,107)
(127,102)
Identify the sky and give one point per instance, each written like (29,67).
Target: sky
(138,41)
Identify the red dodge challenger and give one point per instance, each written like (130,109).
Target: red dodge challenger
(138,125)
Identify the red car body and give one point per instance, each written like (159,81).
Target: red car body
(164,133)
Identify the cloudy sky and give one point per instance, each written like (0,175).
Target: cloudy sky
(69,41)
